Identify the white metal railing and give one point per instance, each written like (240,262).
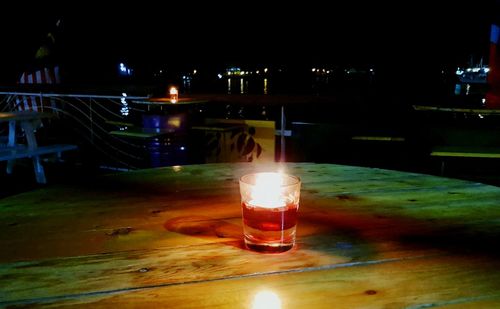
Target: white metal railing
(88,116)
(91,114)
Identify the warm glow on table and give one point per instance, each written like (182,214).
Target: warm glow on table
(173,238)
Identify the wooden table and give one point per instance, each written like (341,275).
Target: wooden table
(160,103)
(172,237)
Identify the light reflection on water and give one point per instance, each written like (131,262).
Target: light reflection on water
(267,85)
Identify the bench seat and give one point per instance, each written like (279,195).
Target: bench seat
(466,152)
(18,152)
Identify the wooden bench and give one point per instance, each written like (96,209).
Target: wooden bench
(28,121)
(21,151)
(464,152)
(10,154)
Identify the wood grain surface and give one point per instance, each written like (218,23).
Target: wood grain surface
(172,237)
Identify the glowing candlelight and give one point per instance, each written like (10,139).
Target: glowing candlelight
(174,95)
(267,192)
(270,202)
(266,300)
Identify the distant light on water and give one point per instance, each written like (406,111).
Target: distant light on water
(219,76)
(314,69)
(265,86)
(265,70)
(124,110)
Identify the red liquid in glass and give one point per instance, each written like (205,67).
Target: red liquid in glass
(270,219)
(269,229)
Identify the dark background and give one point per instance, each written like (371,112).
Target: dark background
(416,37)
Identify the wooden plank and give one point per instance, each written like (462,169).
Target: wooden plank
(141,132)
(483,111)
(219,127)
(379,138)
(167,102)
(120,123)
(19,152)
(145,200)
(441,281)
(23,116)
(164,228)
(466,152)
(194,245)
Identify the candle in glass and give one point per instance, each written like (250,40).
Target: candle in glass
(269,202)
(174,95)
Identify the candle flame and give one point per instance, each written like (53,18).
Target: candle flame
(267,191)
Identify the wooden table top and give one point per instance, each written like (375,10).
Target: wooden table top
(167,101)
(172,237)
(29,115)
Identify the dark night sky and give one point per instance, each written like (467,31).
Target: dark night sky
(394,36)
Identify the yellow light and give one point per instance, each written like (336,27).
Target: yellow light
(194,71)
(266,300)
(174,122)
(174,95)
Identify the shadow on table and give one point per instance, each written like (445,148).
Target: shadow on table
(206,227)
